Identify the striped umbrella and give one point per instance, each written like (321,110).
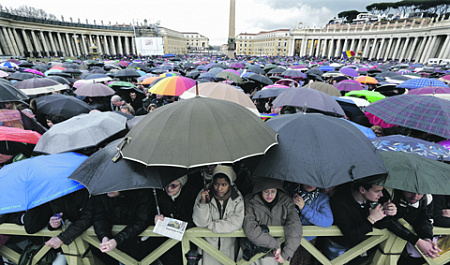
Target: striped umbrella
(424,113)
(172,86)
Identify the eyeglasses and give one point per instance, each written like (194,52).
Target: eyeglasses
(173,186)
(270,192)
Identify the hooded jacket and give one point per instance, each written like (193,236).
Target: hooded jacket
(283,213)
(208,215)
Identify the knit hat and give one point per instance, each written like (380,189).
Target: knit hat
(183,180)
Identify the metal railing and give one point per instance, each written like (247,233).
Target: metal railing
(77,253)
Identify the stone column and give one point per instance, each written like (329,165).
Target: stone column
(317,51)
(311,47)
(44,42)
(374,48)
(325,48)
(231,28)
(413,48)
(37,45)
(113,45)
(331,50)
(344,47)
(444,47)
(127,45)
(133,45)
(77,44)
(380,50)
(429,49)
(27,41)
(446,53)
(420,52)
(99,44)
(3,44)
(388,49)
(405,46)
(397,47)
(83,46)
(365,53)
(13,41)
(68,44)
(119,42)
(19,41)
(60,43)
(9,44)
(338,52)
(105,42)
(52,41)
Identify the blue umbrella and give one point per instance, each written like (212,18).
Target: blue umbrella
(168,55)
(326,68)
(367,131)
(416,146)
(422,82)
(35,181)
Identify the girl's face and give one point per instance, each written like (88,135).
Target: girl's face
(173,188)
(269,195)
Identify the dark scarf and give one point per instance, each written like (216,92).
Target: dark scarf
(309,197)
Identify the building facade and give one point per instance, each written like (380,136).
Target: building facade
(196,43)
(265,43)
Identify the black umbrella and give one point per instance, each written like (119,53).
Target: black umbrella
(20,76)
(260,79)
(127,73)
(256,69)
(60,79)
(26,65)
(99,174)
(277,70)
(72,71)
(320,161)
(10,93)
(66,106)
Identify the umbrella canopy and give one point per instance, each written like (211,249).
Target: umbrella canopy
(348,71)
(35,181)
(230,76)
(325,88)
(98,78)
(401,143)
(260,78)
(293,74)
(441,92)
(367,80)
(99,174)
(213,131)
(320,161)
(172,86)
(422,82)
(415,173)
(13,134)
(360,102)
(270,91)
(80,132)
(221,91)
(94,90)
(66,106)
(308,98)
(35,86)
(20,76)
(10,93)
(424,113)
(127,73)
(349,85)
(370,96)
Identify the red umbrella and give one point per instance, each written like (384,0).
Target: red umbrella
(18,135)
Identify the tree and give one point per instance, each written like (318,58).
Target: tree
(349,15)
(27,11)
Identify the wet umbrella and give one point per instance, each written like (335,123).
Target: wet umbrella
(99,174)
(80,132)
(415,173)
(401,143)
(3,74)
(310,151)
(66,106)
(221,91)
(98,78)
(277,70)
(172,86)
(326,88)
(61,80)
(35,86)
(421,82)
(349,85)
(230,76)
(206,138)
(308,99)
(293,74)
(35,181)
(315,71)
(260,79)
(256,69)
(424,113)
(270,91)
(10,93)
(127,74)
(366,80)
(14,141)
(94,90)
(348,71)
(20,76)
(441,92)
(370,96)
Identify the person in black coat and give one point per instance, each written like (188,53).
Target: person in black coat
(441,210)
(135,209)
(177,201)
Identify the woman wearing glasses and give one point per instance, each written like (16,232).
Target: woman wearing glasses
(270,205)
(220,209)
(176,201)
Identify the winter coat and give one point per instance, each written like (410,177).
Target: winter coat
(318,213)
(441,202)
(208,215)
(283,213)
(135,208)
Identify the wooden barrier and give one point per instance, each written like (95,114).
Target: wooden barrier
(77,254)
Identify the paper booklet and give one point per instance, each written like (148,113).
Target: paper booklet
(171,228)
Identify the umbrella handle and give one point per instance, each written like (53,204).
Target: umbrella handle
(156,202)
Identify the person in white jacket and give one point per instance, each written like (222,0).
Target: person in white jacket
(220,208)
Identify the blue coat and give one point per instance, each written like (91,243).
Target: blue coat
(318,213)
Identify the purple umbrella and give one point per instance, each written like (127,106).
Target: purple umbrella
(445,143)
(308,98)
(430,90)
(232,71)
(33,71)
(237,65)
(349,85)
(348,71)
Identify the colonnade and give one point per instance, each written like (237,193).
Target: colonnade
(416,40)
(31,39)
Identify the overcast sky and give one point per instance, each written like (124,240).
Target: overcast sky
(207,17)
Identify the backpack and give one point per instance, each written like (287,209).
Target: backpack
(26,258)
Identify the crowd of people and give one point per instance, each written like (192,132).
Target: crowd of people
(229,197)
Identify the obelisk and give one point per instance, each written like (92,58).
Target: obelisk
(231,30)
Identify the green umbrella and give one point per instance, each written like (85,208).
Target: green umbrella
(121,84)
(415,173)
(230,76)
(197,132)
(371,96)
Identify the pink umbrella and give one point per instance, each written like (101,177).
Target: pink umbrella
(445,143)
(237,65)
(431,90)
(33,71)
(3,74)
(377,121)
